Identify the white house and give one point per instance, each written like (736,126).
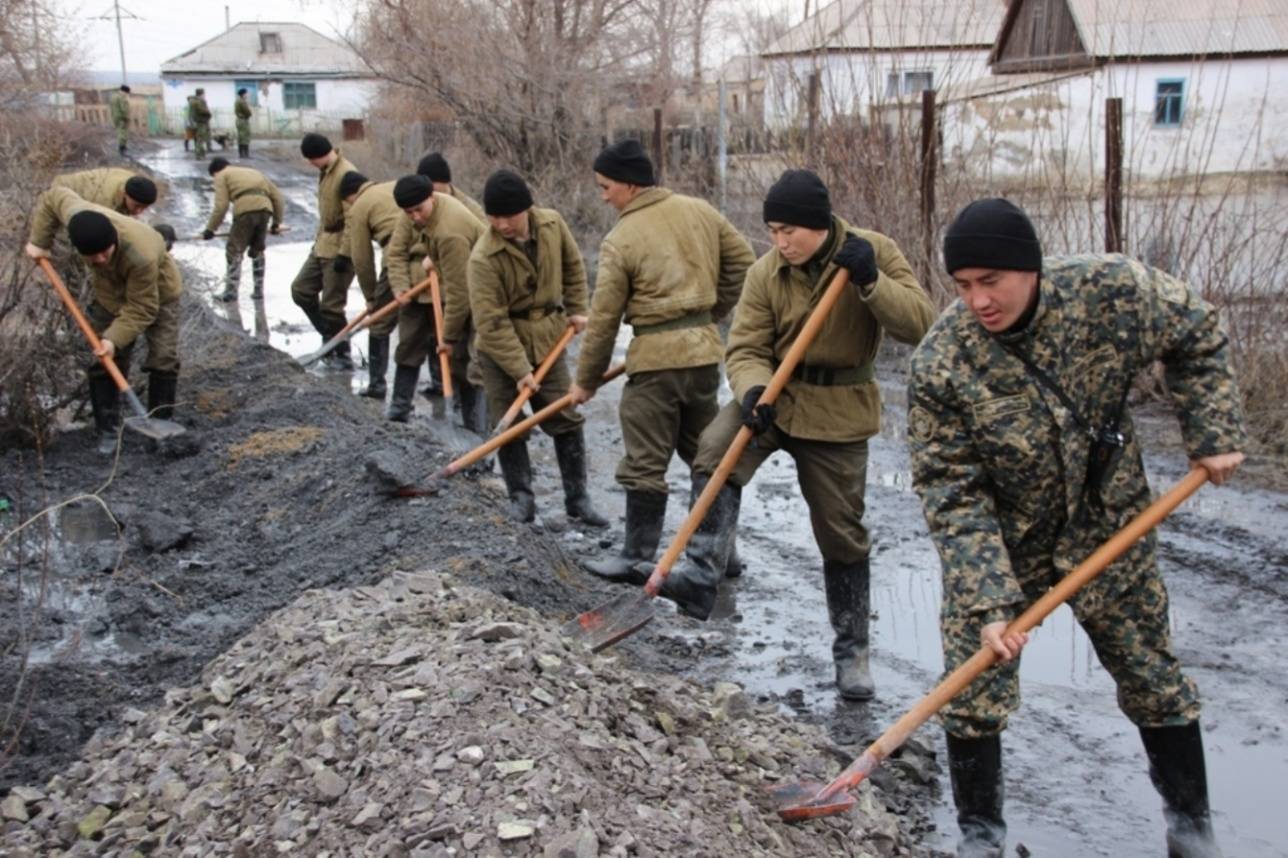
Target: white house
(299,80)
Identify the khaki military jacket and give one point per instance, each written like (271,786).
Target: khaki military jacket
(331,240)
(470,203)
(373,217)
(138,279)
(249,191)
(198,109)
(519,310)
(241,110)
(777,300)
(103,187)
(1000,463)
(447,238)
(669,256)
(120,105)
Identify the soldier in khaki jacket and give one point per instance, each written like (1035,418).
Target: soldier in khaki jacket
(372,217)
(435,168)
(527,284)
(437,232)
(136,291)
(671,267)
(257,210)
(826,413)
(113,188)
(328,271)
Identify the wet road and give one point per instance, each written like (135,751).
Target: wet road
(1076,774)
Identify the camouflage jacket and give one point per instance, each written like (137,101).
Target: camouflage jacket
(447,238)
(198,109)
(248,190)
(520,310)
(372,217)
(332,238)
(104,186)
(1000,463)
(241,109)
(120,105)
(669,257)
(776,301)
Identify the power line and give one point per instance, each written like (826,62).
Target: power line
(115,13)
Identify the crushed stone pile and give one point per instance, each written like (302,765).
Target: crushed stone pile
(421,716)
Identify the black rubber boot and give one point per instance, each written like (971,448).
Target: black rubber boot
(434,383)
(975,768)
(473,407)
(570,450)
(734,566)
(232,280)
(693,583)
(645,512)
(121,149)
(1179,773)
(516,467)
(400,407)
(257,275)
(849,609)
(105,400)
(377,368)
(162,387)
(340,358)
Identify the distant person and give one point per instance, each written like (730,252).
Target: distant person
(136,293)
(200,113)
(243,111)
(121,117)
(122,191)
(321,287)
(1026,461)
(258,208)
(371,218)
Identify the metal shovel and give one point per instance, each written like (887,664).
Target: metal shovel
(365,319)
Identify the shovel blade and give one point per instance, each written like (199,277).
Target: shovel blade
(155,427)
(600,628)
(798,801)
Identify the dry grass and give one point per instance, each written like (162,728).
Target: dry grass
(276,442)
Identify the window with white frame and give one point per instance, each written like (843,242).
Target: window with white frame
(908,83)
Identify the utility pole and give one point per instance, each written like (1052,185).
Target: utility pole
(115,14)
(228,21)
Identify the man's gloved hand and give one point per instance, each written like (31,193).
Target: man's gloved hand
(857,256)
(757,418)
(342,265)
(207,234)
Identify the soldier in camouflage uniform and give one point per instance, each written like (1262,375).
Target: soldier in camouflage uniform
(371,217)
(1005,393)
(258,208)
(527,284)
(200,113)
(672,267)
(437,232)
(111,187)
(826,414)
(121,117)
(243,113)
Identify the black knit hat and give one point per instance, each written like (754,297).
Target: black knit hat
(124,88)
(141,189)
(351,182)
(411,191)
(217,164)
(506,194)
(435,167)
(992,233)
(625,161)
(799,198)
(314,145)
(91,232)
(241,91)
(167,233)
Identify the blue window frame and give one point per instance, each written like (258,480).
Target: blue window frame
(252,90)
(1169,102)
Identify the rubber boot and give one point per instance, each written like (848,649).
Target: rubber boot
(105,401)
(975,768)
(186,141)
(232,280)
(516,467)
(257,275)
(400,407)
(473,407)
(162,387)
(121,150)
(340,358)
(1179,773)
(849,609)
(570,451)
(377,368)
(644,514)
(734,566)
(693,583)
(434,384)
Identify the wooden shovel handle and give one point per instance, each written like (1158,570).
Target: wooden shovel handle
(955,682)
(83,323)
(740,441)
(367,318)
(444,359)
(538,375)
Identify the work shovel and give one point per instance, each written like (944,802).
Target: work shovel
(365,319)
(600,628)
(538,376)
(280,230)
(152,427)
(806,800)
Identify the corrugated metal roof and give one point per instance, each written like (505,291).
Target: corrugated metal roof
(886,25)
(237,50)
(1181,28)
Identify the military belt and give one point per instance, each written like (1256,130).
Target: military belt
(253,192)
(693,320)
(831,376)
(334,227)
(532,314)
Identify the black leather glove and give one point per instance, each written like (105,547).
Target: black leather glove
(857,256)
(342,265)
(206,235)
(757,417)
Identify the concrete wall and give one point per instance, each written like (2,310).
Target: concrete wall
(336,100)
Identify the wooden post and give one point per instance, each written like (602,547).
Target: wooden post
(811,106)
(659,149)
(1113,175)
(929,165)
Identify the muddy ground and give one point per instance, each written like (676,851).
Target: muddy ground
(272,499)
